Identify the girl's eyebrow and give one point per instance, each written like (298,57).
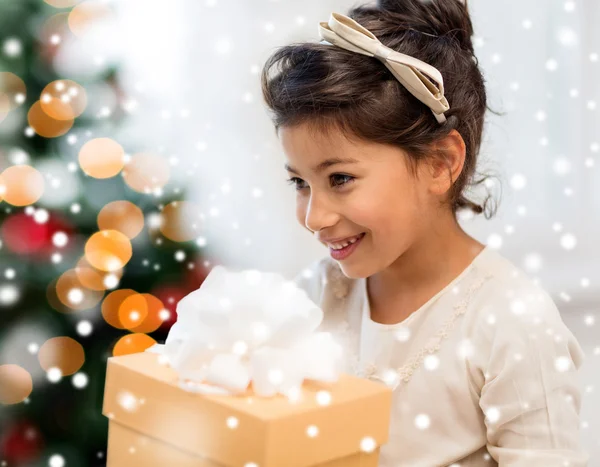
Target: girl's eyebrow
(325,164)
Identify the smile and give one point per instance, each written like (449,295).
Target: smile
(347,250)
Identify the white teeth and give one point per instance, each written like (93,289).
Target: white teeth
(339,246)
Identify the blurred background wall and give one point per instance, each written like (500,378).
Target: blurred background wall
(180,80)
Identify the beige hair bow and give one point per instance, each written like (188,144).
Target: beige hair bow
(411,72)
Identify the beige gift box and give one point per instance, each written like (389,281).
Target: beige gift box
(154,422)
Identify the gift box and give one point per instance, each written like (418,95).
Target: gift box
(154,421)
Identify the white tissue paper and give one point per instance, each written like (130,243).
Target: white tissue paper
(243,326)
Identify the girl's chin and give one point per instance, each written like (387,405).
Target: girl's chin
(354,272)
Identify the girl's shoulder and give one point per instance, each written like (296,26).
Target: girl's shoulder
(509,285)
(512,306)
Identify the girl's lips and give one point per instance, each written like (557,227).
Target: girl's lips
(347,250)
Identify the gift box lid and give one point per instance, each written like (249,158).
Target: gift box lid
(326,421)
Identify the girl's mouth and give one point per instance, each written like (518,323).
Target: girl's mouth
(347,250)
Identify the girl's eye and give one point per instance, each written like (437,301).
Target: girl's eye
(293,181)
(349,178)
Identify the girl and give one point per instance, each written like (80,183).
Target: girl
(381,124)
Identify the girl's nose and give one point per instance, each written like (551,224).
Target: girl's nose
(319,214)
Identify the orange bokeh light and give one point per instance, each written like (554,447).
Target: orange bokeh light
(146,172)
(86,13)
(181,221)
(4,106)
(112,304)
(122,216)
(133,311)
(63,353)
(13,89)
(44,125)
(53,300)
(132,343)
(93,278)
(15,384)
(102,158)
(73,294)
(63,99)
(141,313)
(155,317)
(108,250)
(21,185)
(62,3)
(54,25)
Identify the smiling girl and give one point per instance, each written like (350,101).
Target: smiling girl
(381,124)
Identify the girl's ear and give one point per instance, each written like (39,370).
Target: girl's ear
(445,169)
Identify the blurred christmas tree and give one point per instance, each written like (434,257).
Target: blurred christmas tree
(94,255)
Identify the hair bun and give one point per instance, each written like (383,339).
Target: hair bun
(449,18)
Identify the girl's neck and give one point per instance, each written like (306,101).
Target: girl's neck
(419,273)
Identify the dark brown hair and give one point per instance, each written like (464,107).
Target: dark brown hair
(326,86)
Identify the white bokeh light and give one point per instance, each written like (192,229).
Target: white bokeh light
(533,262)
(494,241)
(518,182)
(80,380)
(54,375)
(422,421)
(562,364)
(9,294)
(232,422)
(12,47)
(60,239)
(568,241)
(84,328)
(75,296)
(492,414)
(431,362)
(128,401)
(368,444)
(56,460)
(323,398)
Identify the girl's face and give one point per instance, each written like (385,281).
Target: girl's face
(372,191)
